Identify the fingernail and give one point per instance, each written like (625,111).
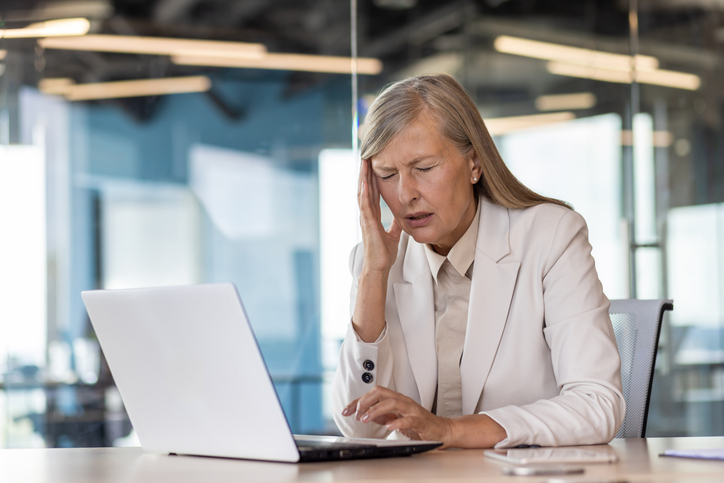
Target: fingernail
(366,417)
(345,412)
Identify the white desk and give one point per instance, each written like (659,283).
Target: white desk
(639,462)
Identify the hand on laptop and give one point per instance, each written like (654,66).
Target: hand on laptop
(398,412)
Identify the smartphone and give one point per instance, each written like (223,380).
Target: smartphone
(559,456)
(542,470)
(566,480)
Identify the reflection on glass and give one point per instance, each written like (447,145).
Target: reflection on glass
(23,262)
(578,162)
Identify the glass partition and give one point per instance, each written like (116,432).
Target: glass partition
(614,107)
(683,231)
(174,142)
(161,143)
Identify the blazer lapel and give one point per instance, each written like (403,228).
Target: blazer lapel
(490,297)
(416,309)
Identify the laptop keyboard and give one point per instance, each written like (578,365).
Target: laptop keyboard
(315,445)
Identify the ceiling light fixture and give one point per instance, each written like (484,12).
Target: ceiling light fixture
(156,46)
(131,88)
(50,28)
(575,55)
(212,53)
(561,102)
(297,62)
(505,125)
(667,78)
(56,85)
(596,64)
(660,139)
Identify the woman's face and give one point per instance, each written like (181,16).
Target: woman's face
(428,184)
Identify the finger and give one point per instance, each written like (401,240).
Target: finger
(366,207)
(364,403)
(372,397)
(393,405)
(372,181)
(364,185)
(374,185)
(362,176)
(349,409)
(367,215)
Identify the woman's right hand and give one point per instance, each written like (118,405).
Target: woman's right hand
(380,252)
(380,246)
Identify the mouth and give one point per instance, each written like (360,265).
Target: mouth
(419,219)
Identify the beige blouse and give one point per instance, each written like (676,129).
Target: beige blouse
(452,277)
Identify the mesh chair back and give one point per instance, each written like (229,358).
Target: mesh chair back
(637,324)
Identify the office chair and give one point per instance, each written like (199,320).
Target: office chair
(637,324)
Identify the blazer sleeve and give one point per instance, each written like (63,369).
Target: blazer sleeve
(577,328)
(356,359)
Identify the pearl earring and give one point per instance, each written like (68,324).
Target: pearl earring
(475,179)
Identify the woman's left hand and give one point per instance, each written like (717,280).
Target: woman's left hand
(398,412)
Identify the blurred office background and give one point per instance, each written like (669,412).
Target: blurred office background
(235,163)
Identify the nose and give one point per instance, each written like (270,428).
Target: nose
(408,189)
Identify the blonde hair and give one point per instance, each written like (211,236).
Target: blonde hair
(441,96)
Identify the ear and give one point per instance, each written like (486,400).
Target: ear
(476,167)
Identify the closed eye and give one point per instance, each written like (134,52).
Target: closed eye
(386,177)
(425,169)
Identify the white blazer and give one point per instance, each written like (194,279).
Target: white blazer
(540,355)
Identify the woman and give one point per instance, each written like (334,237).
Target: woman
(478,317)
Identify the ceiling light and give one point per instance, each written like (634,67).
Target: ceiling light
(298,62)
(663,139)
(50,28)
(660,139)
(587,72)
(561,102)
(132,88)
(156,46)
(3,53)
(504,125)
(667,78)
(213,53)
(576,55)
(56,86)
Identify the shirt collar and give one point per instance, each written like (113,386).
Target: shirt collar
(461,255)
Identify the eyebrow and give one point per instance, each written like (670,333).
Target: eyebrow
(413,162)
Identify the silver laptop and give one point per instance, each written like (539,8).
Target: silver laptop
(194,382)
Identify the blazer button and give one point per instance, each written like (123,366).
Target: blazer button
(367,377)
(369,365)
